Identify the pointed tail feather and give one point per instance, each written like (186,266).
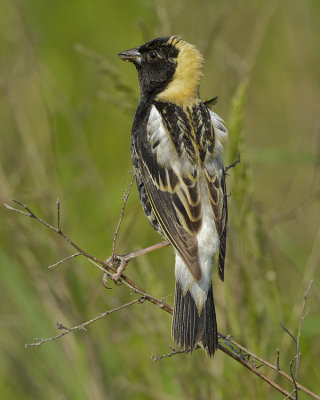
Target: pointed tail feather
(189,328)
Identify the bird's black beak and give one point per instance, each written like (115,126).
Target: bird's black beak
(131,55)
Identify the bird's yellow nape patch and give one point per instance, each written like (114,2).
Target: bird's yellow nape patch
(184,87)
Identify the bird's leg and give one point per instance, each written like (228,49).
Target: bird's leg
(121,261)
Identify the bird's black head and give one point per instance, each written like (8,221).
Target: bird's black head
(169,69)
(156,63)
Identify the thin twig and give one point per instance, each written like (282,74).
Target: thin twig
(303,316)
(293,377)
(105,267)
(58,215)
(238,160)
(226,340)
(28,214)
(174,352)
(82,326)
(288,332)
(125,199)
(65,259)
(32,215)
(290,395)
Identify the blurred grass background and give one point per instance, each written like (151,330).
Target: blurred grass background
(66,108)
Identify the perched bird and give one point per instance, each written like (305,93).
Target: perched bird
(176,154)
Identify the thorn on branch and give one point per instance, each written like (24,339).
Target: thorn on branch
(60,326)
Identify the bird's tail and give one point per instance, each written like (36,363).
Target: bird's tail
(189,328)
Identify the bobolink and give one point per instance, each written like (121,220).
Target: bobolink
(176,154)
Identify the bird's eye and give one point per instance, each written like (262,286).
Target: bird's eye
(153,54)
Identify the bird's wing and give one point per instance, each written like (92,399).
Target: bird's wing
(215,179)
(173,189)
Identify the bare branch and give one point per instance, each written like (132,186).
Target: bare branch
(105,266)
(237,352)
(173,353)
(254,369)
(82,326)
(273,367)
(243,356)
(32,215)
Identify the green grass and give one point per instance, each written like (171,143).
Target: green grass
(66,108)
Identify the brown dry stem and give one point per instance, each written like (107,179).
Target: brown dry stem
(229,346)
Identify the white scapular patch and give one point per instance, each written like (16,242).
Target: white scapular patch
(160,140)
(165,151)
